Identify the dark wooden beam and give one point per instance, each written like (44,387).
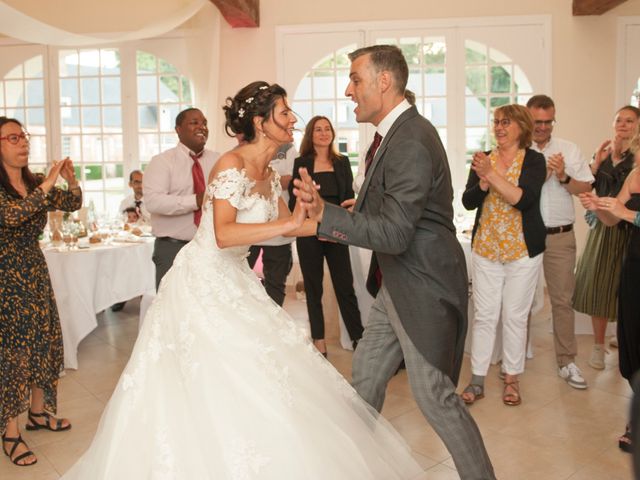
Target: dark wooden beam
(240,13)
(594,7)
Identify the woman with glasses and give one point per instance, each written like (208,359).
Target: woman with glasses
(31,353)
(504,186)
(333,173)
(598,270)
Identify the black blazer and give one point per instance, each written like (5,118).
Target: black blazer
(344,177)
(532,177)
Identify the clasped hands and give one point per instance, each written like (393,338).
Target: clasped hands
(308,201)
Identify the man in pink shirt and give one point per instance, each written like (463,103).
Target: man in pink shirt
(174,188)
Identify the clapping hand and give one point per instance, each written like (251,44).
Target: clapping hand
(481,164)
(617,146)
(589,200)
(601,153)
(611,205)
(51,178)
(556,165)
(67,172)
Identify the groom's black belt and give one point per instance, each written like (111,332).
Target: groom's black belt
(562,229)
(172,240)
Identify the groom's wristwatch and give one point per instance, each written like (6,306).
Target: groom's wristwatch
(566,180)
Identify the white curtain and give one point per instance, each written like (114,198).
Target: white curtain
(18,25)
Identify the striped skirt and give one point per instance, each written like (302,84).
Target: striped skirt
(598,272)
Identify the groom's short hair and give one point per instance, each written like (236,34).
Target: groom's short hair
(389,58)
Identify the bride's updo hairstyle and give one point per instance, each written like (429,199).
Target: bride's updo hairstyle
(256,99)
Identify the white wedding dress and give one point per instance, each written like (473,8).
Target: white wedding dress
(222,384)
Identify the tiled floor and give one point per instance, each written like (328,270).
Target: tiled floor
(557,432)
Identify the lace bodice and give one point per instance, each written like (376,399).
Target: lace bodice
(255,200)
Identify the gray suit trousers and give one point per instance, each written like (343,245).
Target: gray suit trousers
(377,357)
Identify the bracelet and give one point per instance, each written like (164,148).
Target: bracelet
(636,220)
(566,180)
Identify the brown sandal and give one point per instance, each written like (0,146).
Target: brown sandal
(16,442)
(512,399)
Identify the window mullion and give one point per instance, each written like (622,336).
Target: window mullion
(130,127)
(52,104)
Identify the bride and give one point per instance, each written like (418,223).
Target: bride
(222,384)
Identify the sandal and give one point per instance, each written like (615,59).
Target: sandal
(34,425)
(16,442)
(624,442)
(475,392)
(512,399)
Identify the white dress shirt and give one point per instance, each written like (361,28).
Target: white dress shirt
(168,191)
(556,203)
(130,202)
(383,128)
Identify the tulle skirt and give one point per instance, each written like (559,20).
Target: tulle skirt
(222,384)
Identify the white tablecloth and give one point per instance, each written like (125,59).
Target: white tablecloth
(87,281)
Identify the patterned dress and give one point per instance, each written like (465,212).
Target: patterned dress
(598,270)
(30,334)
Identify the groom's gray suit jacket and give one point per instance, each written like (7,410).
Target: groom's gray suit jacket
(404,214)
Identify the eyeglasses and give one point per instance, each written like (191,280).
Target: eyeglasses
(14,138)
(503,122)
(545,123)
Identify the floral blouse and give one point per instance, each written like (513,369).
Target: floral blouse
(500,237)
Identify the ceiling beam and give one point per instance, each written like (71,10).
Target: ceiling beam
(594,7)
(240,13)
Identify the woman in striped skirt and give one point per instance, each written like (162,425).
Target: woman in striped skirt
(598,270)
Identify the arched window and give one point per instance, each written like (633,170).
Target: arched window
(321,92)
(492,79)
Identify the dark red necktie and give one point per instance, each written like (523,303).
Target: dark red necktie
(368,160)
(198,183)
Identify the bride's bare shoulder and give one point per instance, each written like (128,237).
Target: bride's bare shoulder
(229,160)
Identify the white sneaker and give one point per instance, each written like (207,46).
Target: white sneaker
(613,342)
(597,357)
(573,376)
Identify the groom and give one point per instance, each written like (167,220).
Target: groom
(404,214)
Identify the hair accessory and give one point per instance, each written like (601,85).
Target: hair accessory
(249,100)
(241,112)
(264,87)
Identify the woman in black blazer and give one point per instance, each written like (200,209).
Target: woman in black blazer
(333,173)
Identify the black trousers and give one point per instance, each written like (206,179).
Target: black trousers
(276,262)
(164,253)
(312,253)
